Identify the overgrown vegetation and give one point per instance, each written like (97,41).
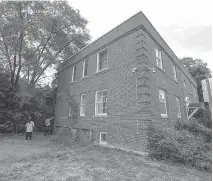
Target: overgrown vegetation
(92,163)
(35,37)
(14,112)
(64,137)
(189,143)
(199,71)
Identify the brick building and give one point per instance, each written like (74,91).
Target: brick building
(114,88)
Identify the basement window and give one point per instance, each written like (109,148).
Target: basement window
(103,137)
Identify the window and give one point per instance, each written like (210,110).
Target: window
(191,89)
(73,73)
(103,137)
(101,103)
(184,83)
(162,100)
(159,58)
(69,111)
(85,67)
(174,73)
(178,107)
(83,103)
(195,92)
(102,62)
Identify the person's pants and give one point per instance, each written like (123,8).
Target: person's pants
(28,135)
(47,130)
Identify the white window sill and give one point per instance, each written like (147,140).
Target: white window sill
(176,81)
(103,143)
(100,115)
(161,69)
(101,70)
(84,77)
(82,115)
(164,116)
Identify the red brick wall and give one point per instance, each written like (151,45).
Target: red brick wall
(121,123)
(129,118)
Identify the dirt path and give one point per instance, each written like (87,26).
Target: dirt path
(15,146)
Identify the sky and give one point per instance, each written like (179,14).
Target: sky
(186,25)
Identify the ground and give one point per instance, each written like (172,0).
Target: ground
(45,161)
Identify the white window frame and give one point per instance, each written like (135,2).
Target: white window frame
(83,72)
(174,72)
(98,60)
(191,89)
(158,55)
(178,107)
(165,102)
(69,111)
(74,68)
(195,92)
(96,99)
(184,83)
(101,141)
(83,106)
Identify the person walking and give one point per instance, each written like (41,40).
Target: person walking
(47,126)
(29,129)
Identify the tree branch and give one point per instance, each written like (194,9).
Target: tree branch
(14,68)
(62,48)
(7,52)
(21,37)
(19,56)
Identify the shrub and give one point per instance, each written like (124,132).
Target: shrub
(64,137)
(181,146)
(195,128)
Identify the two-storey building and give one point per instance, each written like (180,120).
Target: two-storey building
(115,87)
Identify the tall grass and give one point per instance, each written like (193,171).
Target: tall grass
(188,143)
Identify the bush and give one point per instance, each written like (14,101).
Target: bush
(184,145)
(196,129)
(64,137)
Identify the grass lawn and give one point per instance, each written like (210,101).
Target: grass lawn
(88,162)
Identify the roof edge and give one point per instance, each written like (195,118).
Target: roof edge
(169,48)
(101,36)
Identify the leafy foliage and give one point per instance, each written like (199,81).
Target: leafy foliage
(199,71)
(35,36)
(14,112)
(64,137)
(196,129)
(188,143)
(9,102)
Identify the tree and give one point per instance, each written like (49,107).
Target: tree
(35,36)
(9,101)
(199,71)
